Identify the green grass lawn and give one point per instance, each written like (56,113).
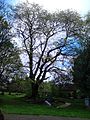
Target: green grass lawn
(14,104)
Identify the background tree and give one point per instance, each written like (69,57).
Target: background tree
(43,36)
(9,55)
(81,72)
(81,69)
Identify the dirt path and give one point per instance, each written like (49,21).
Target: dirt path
(30,117)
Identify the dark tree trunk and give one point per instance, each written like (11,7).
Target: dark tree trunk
(9,93)
(34,87)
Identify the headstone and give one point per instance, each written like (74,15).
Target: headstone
(87,102)
(47,102)
(64,105)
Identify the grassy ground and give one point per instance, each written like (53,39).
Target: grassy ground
(14,104)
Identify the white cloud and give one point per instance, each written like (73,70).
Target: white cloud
(81,6)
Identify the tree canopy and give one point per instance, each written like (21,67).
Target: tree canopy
(81,69)
(43,36)
(9,55)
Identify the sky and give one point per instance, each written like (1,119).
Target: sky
(81,6)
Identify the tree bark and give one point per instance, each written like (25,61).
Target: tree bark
(34,94)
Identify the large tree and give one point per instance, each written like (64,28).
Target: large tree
(43,36)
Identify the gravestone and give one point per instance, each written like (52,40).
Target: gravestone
(87,102)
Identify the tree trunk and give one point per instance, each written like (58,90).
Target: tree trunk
(9,93)
(34,87)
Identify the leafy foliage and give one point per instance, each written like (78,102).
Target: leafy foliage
(10,62)
(81,71)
